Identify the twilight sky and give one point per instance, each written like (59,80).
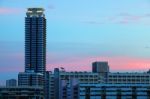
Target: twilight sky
(78,33)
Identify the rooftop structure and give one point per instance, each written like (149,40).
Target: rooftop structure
(35,12)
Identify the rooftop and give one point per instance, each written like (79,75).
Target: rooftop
(35,12)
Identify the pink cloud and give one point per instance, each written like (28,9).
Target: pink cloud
(129,63)
(82,63)
(126,18)
(115,63)
(10,10)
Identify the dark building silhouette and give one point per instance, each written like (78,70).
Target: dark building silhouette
(35,49)
(11,82)
(100,67)
(35,40)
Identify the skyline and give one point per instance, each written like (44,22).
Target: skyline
(79,33)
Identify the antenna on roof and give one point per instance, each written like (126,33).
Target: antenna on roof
(62,69)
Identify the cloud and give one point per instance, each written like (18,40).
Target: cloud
(123,22)
(51,7)
(126,18)
(121,18)
(145,5)
(124,14)
(116,63)
(94,22)
(147,47)
(147,15)
(10,10)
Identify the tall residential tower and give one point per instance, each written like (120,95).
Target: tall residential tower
(35,40)
(35,48)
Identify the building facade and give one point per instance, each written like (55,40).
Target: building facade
(11,82)
(61,81)
(35,48)
(35,40)
(114,91)
(21,92)
(30,79)
(101,84)
(129,78)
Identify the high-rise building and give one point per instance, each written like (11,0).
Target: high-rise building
(35,48)
(35,40)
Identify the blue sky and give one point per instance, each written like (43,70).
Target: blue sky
(78,33)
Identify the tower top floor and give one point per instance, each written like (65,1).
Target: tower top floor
(35,12)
